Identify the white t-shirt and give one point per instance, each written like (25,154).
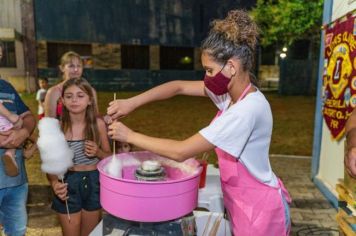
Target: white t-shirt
(40,96)
(244,131)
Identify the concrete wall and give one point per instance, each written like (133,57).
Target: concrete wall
(154,57)
(42,61)
(10,14)
(106,56)
(342,7)
(11,30)
(268,71)
(16,76)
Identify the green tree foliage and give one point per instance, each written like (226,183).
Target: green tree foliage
(285,21)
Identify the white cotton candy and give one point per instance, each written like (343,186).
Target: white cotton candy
(130,160)
(114,167)
(150,165)
(189,166)
(55,153)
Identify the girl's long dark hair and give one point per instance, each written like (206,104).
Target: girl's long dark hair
(91,131)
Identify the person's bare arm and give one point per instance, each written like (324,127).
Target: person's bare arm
(122,107)
(59,188)
(173,149)
(7,114)
(16,137)
(50,103)
(350,155)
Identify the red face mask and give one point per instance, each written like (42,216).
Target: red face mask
(217,84)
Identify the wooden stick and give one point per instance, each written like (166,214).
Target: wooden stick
(207,225)
(205,156)
(66,204)
(215,227)
(113,145)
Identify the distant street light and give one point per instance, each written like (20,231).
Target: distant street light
(283,55)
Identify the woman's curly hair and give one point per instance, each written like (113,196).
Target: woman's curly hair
(234,36)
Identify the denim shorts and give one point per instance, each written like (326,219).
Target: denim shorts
(83,192)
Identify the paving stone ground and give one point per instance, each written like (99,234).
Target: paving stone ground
(311,213)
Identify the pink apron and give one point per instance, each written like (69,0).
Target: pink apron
(254,208)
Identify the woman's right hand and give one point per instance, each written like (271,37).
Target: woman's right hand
(120,108)
(350,162)
(60,189)
(119,132)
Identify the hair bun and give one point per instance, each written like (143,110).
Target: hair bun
(237,27)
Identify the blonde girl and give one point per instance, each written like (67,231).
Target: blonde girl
(86,135)
(71,66)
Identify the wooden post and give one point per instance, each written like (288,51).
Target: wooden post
(29,42)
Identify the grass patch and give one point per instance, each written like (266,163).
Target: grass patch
(293,124)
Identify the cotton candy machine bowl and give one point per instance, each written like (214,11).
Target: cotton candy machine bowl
(148,201)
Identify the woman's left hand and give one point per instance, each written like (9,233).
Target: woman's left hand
(119,131)
(90,148)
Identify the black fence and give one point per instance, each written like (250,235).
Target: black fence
(297,77)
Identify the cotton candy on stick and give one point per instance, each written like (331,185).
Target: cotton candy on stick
(55,153)
(114,167)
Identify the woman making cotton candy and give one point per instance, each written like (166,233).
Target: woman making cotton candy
(255,199)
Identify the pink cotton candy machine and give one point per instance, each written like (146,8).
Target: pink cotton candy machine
(136,198)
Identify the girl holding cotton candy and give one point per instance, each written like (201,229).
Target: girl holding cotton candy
(87,137)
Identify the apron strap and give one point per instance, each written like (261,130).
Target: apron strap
(284,191)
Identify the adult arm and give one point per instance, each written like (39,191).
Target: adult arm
(50,103)
(5,112)
(173,149)
(17,136)
(122,107)
(350,155)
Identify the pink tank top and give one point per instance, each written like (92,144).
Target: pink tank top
(59,108)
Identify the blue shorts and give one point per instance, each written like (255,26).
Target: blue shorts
(83,192)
